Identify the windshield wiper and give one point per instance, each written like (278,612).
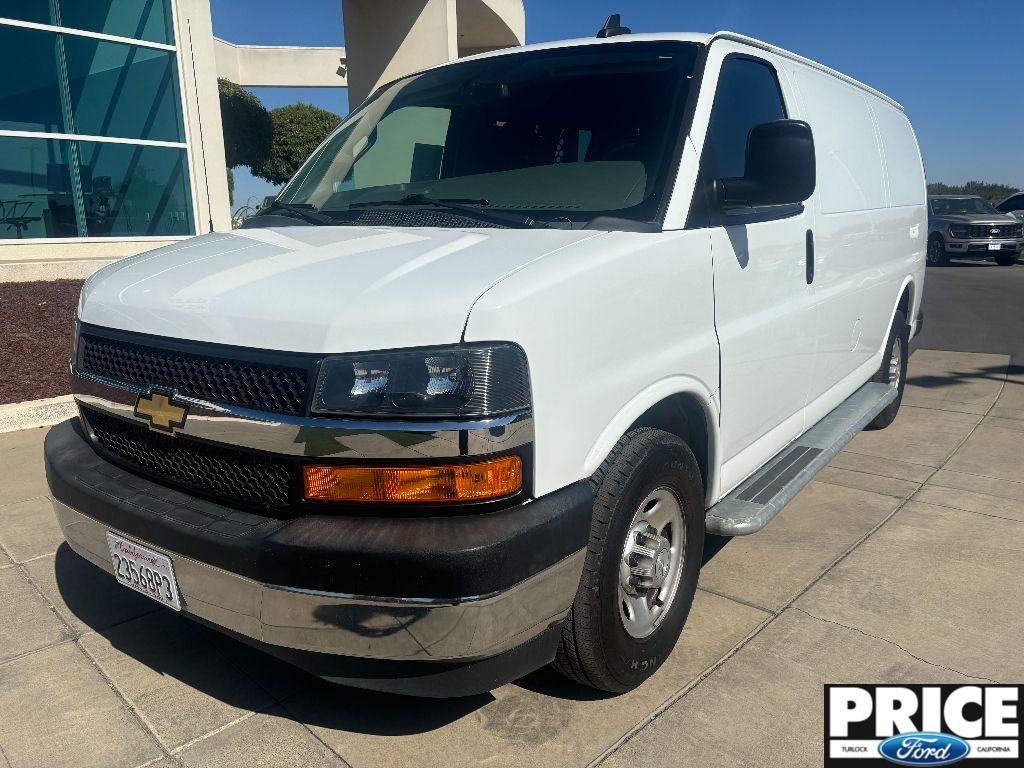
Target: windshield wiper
(458,203)
(472,206)
(303,211)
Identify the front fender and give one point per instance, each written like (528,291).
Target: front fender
(643,402)
(610,326)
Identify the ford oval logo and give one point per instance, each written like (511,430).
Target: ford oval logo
(924,749)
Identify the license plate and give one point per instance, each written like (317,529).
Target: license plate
(995,246)
(144,571)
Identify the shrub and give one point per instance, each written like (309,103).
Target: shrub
(994,193)
(297,130)
(248,129)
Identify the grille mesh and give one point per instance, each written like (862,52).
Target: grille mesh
(236,475)
(985,230)
(261,387)
(389,217)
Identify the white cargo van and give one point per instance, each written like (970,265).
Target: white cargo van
(466,398)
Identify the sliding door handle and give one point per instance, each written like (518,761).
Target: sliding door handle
(810,257)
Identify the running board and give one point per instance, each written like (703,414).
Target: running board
(762,496)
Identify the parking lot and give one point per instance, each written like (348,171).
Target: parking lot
(902,561)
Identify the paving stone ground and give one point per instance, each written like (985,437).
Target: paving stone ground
(901,562)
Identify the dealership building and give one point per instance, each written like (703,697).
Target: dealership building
(110,127)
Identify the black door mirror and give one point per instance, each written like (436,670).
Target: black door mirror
(780,167)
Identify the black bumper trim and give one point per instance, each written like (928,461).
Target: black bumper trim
(404,557)
(428,679)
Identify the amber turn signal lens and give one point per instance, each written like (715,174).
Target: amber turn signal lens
(451,482)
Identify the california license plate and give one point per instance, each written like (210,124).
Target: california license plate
(994,246)
(144,571)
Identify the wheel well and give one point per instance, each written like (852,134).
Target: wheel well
(684,416)
(905,302)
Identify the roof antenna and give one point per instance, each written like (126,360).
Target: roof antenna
(613,27)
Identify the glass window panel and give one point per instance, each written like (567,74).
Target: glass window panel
(35,189)
(409,147)
(30,92)
(26,10)
(748,94)
(529,131)
(1015,203)
(123,90)
(131,190)
(138,19)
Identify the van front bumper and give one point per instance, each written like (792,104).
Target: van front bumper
(428,606)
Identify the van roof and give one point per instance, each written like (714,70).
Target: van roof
(694,37)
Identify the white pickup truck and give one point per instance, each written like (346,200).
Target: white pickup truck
(466,398)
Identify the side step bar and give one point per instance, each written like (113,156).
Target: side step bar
(762,496)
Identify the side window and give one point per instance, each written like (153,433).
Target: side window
(748,94)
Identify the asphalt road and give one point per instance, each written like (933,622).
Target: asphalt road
(974,306)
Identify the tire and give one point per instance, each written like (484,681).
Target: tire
(607,641)
(1006,261)
(937,256)
(893,372)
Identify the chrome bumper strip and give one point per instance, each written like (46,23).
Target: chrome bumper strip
(313,436)
(354,625)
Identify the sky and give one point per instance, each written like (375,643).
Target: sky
(955,65)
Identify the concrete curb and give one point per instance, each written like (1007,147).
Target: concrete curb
(36,413)
(68,269)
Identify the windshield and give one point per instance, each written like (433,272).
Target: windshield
(943,206)
(561,134)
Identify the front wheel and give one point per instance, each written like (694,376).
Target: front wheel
(937,256)
(1006,261)
(643,561)
(894,369)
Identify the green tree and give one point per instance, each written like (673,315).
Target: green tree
(939,188)
(248,129)
(994,193)
(298,129)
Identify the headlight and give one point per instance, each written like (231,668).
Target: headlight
(959,230)
(472,380)
(1019,231)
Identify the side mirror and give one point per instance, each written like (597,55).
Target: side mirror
(780,167)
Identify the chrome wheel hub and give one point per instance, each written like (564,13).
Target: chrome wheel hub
(651,564)
(649,560)
(896,363)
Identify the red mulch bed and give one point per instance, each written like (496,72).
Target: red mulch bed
(36,321)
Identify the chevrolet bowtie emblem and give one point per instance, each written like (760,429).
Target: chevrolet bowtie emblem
(162,414)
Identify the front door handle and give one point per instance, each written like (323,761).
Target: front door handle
(810,257)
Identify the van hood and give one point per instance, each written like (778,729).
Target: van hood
(314,289)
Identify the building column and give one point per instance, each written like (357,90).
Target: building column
(385,40)
(198,73)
